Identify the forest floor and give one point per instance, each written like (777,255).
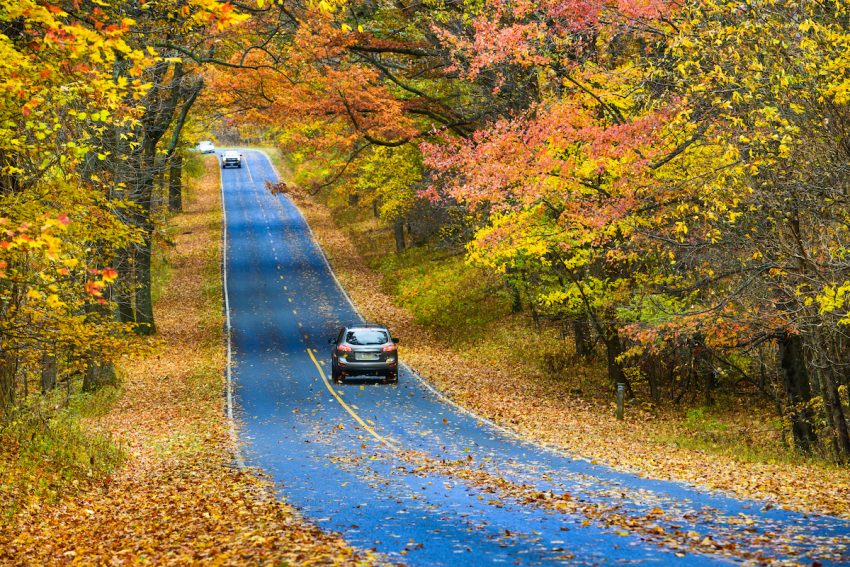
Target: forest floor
(495,371)
(174,495)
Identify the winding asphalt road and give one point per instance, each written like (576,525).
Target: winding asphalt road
(379,463)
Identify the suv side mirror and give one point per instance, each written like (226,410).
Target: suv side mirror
(395,341)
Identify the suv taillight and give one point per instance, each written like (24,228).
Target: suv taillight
(344,348)
(389,348)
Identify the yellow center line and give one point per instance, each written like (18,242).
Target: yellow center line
(348,408)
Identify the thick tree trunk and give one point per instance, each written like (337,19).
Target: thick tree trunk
(8,371)
(97,376)
(158,191)
(175,184)
(142,194)
(48,372)
(797,388)
(122,292)
(614,348)
(583,338)
(144,300)
(398,231)
(841,435)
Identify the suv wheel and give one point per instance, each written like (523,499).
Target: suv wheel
(336,375)
(391,378)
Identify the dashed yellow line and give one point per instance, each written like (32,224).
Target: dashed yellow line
(348,408)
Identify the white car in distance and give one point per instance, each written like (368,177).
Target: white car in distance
(231,158)
(206,147)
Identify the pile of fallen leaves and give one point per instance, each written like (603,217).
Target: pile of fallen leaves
(178,499)
(740,537)
(536,405)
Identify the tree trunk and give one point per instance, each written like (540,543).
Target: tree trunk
(840,433)
(142,194)
(797,388)
(582,333)
(175,184)
(122,291)
(614,348)
(398,231)
(8,371)
(158,191)
(144,300)
(48,372)
(97,376)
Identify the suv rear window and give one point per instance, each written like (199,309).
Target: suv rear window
(367,337)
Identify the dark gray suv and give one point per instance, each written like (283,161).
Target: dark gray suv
(368,348)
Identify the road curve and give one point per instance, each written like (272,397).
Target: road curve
(398,469)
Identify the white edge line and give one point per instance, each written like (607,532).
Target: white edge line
(443,397)
(248,169)
(234,436)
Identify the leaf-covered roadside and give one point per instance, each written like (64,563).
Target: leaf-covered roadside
(178,499)
(536,405)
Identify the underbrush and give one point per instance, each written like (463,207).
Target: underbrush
(750,434)
(444,293)
(46,448)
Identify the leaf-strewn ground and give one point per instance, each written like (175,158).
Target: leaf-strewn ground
(178,499)
(537,405)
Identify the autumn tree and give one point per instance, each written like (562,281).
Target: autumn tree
(95,96)
(60,231)
(777,262)
(681,184)
(352,89)
(176,37)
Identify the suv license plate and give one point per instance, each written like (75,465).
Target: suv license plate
(367,356)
